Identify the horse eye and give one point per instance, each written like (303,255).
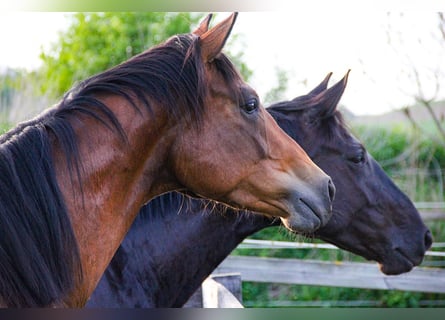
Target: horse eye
(250,106)
(358,158)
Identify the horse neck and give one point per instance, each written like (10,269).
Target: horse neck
(203,240)
(219,237)
(112,187)
(196,238)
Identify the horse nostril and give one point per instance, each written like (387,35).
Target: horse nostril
(331,190)
(428,239)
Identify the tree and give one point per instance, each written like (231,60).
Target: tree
(427,76)
(277,92)
(95,42)
(7,88)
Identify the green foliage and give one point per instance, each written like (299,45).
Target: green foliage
(95,42)
(265,294)
(4,126)
(413,160)
(10,83)
(276,93)
(388,143)
(384,143)
(6,91)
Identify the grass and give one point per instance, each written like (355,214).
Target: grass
(4,126)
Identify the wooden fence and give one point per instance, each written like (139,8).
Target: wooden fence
(431,210)
(338,274)
(223,288)
(314,272)
(218,291)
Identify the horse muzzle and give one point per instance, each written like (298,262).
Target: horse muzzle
(310,208)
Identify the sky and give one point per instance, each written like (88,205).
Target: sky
(22,34)
(381,49)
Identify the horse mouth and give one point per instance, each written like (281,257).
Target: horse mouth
(400,263)
(307,209)
(303,218)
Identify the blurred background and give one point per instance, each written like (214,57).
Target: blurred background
(394,102)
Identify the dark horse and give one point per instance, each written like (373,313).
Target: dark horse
(160,265)
(175,117)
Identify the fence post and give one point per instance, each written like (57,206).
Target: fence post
(218,291)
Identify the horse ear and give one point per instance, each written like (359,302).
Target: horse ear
(327,101)
(213,40)
(322,86)
(303,102)
(203,26)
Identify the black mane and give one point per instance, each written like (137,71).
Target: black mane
(38,253)
(39,257)
(171,74)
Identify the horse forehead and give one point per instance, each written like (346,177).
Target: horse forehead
(321,140)
(220,88)
(219,83)
(336,133)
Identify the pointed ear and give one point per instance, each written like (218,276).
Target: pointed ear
(213,40)
(322,86)
(304,102)
(326,102)
(203,26)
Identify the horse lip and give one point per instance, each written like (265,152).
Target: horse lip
(407,265)
(407,258)
(315,216)
(303,218)
(318,215)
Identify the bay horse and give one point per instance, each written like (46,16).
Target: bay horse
(159,265)
(177,117)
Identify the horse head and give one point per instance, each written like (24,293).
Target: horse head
(372,217)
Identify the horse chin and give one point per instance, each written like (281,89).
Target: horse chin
(395,269)
(398,263)
(392,261)
(302,220)
(393,264)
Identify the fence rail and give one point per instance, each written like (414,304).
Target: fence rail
(322,273)
(271,244)
(432,215)
(431,210)
(429,205)
(337,274)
